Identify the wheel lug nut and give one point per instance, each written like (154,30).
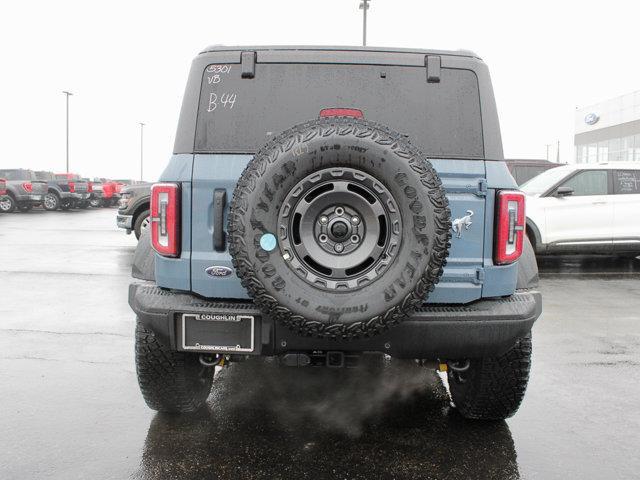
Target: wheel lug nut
(355,238)
(339,247)
(355,220)
(322,238)
(324,220)
(339,211)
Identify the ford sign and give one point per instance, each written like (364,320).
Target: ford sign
(591,119)
(218,271)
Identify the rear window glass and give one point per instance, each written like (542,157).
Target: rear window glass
(62,176)
(626,181)
(237,115)
(17,175)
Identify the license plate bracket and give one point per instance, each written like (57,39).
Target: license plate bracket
(218,332)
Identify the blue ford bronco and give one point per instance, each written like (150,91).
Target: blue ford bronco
(324,204)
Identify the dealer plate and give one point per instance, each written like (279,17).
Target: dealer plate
(218,332)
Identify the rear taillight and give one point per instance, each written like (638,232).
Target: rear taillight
(341,112)
(72,187)
(90,187)
(28,187)
(165,219)
(510,226)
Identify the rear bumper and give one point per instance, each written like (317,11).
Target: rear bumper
(30,198)
(485,327)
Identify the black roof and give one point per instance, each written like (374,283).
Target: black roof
(329,48)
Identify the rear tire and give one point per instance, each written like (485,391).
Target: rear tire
(141,223)
(7,204)
(95,202)
(51,202)
(492,388)
(170,381)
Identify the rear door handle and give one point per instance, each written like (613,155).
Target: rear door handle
(219,203)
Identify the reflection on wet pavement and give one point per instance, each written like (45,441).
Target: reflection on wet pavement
(265,421)
(582,265)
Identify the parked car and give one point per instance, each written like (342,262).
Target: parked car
(96,199)
(62,192)
(95,195)
(77,186)
(23,190)
(339,228)
(133,209)
(524,170)
(585,208)
(109,190)
(3,187)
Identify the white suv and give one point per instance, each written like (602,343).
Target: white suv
(585,209)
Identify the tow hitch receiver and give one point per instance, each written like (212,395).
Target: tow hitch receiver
(331,359)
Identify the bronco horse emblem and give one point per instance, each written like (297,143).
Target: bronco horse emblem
(462,223)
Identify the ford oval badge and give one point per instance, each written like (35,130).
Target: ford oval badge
(218,271)
(591,118)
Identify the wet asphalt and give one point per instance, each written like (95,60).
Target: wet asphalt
(70,406)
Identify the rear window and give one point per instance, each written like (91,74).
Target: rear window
(626,182)
(17,175)
(237,115)
(62,176)
(44,176)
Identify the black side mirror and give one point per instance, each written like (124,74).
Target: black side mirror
(564,191)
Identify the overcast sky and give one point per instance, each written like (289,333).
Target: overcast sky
(127,62)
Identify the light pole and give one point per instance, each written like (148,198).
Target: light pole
(548,145)
(68,94)
(364,6)
(141,148)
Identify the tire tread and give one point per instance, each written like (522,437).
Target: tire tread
(494,386)
(295,137)
(170,381)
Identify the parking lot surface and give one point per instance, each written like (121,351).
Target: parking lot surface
(70,405)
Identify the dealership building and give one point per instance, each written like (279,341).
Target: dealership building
(609,131)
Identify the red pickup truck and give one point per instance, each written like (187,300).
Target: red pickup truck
(110,191)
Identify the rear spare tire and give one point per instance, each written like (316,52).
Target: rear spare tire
(339,228)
